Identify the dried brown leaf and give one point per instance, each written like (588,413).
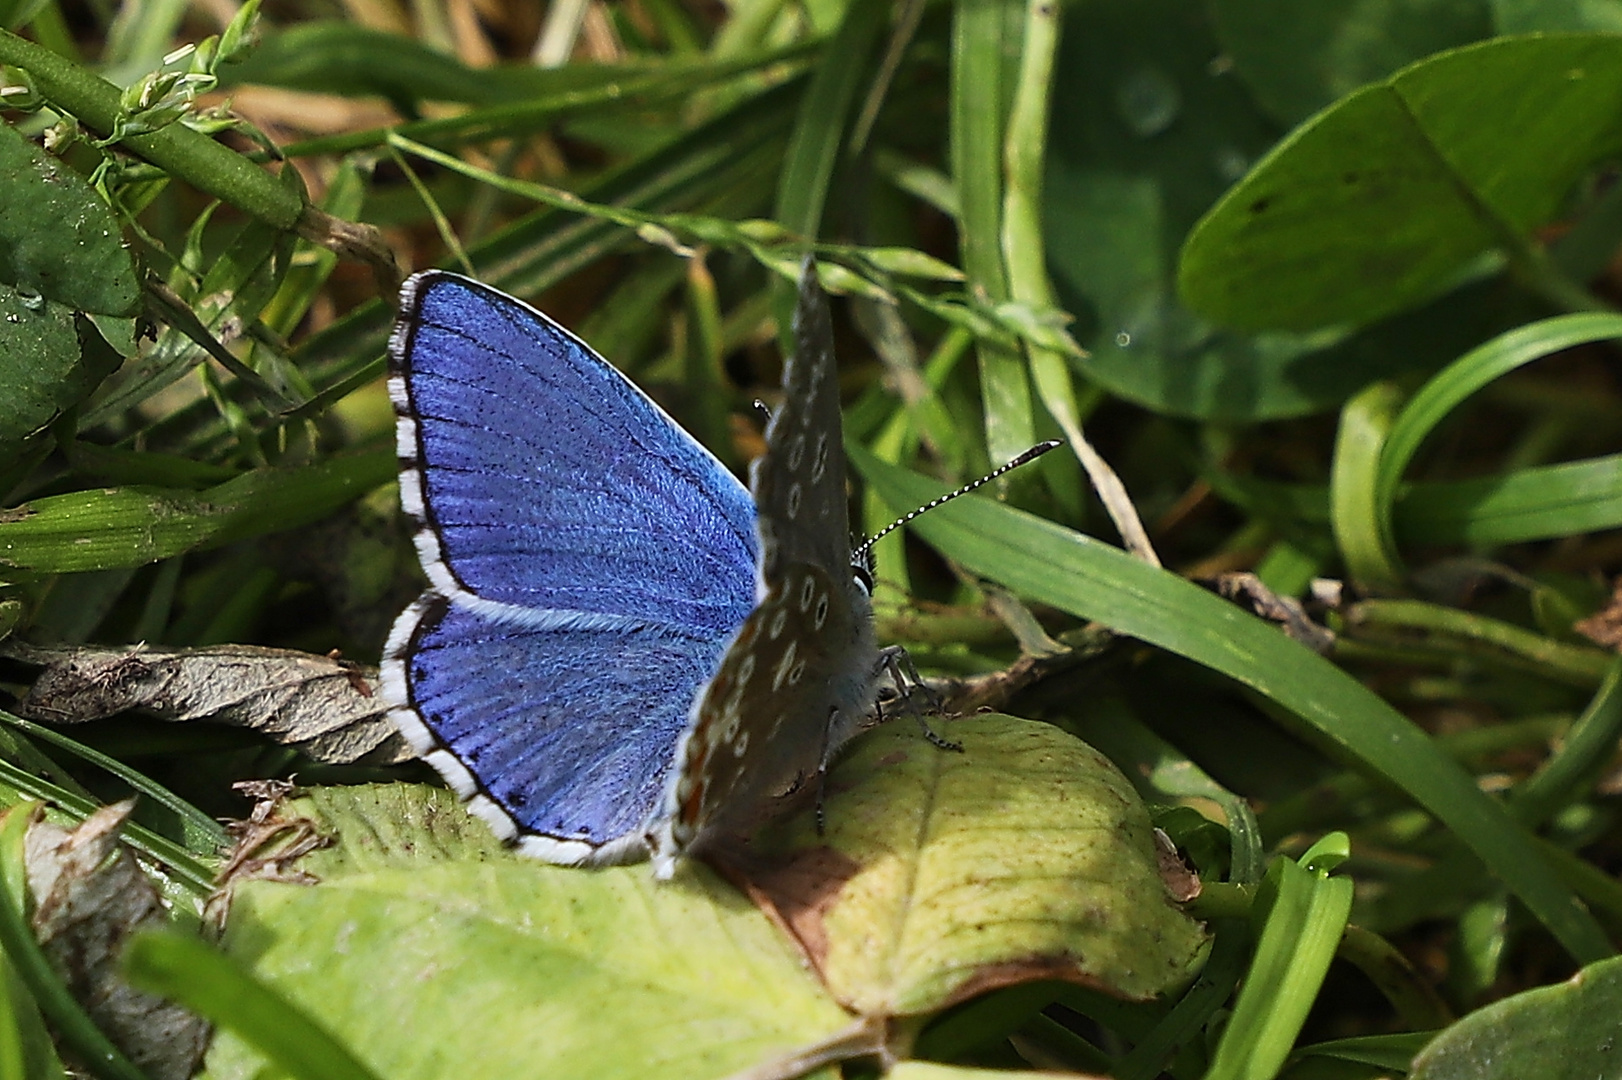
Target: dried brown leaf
(90,896)
(326,707)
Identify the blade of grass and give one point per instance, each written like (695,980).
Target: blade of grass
(1539,503)
(1361,532)
(542,249)
(209,983)
(1095,581)
(202,835)
(1568,774)
(1469,373)
(984,33)
(112,527)
(818,141)
(1492,640)
(1298,940)
(196,878)
(1025,257)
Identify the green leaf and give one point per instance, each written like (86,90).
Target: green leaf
(94,530)
(1553,1032)
(941,875)
(50,360)
(1386,198)
(1095,581)
(491,963)
(1144,140)
(1297,58)
(58,238)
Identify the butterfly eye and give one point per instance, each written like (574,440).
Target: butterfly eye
(863,577)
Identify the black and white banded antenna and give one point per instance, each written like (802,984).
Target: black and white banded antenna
(863,555)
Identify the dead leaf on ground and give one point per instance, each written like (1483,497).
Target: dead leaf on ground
(90,896)
(1604,627)
(326,707)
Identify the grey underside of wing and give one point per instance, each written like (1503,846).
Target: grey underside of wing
(799,483)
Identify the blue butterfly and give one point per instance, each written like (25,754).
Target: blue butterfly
(621,650)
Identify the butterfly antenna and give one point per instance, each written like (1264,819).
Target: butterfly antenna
(862,554)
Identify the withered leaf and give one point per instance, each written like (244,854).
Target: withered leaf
(326,707)
(89,897)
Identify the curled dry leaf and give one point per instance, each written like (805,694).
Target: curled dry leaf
(326,707)
(1604,627)
(1251,593)
(268,846)
(90,896)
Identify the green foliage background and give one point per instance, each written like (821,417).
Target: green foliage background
(1332,287)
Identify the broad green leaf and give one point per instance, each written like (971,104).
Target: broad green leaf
(1390,195)
(1530,16)
(50,360)
(942,875)
(1095,581)
(1144,140)
(94,530)
(1564,1032)
(1297,58)
(58,239)
(429,951)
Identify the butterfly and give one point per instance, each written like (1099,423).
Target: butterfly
(622,651)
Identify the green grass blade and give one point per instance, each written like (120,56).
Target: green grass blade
(984,66)
(1469,373)
(1362,534)
(819,131)
(196,877)
(204,836)
(111,527)
(1298,940)
(1095,581)
(209,983)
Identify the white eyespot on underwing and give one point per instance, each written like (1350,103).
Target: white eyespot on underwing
(783,665)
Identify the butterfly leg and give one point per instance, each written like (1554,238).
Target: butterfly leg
(822,772)
(894,661)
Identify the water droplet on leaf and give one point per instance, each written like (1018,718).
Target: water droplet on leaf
(1148,101)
